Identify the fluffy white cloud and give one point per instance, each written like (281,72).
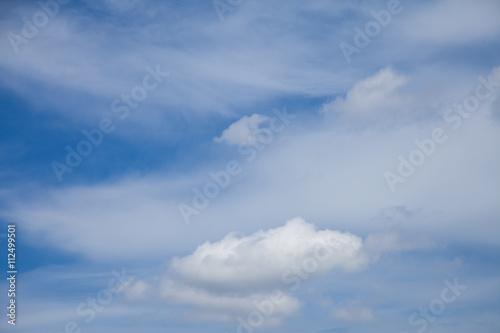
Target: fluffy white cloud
(263,258)
(370,95)
(235,276)
(244,131)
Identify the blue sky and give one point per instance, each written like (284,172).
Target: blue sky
(251,166)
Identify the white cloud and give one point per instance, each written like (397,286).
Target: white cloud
(236,275)
(262,258)
(244,131)
(371,95)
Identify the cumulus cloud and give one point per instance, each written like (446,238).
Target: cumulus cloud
(241,274)
(244,131)
(370,95)
(262,258)
(238,274)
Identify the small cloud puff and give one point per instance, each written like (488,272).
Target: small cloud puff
(244,131)
(369,96)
